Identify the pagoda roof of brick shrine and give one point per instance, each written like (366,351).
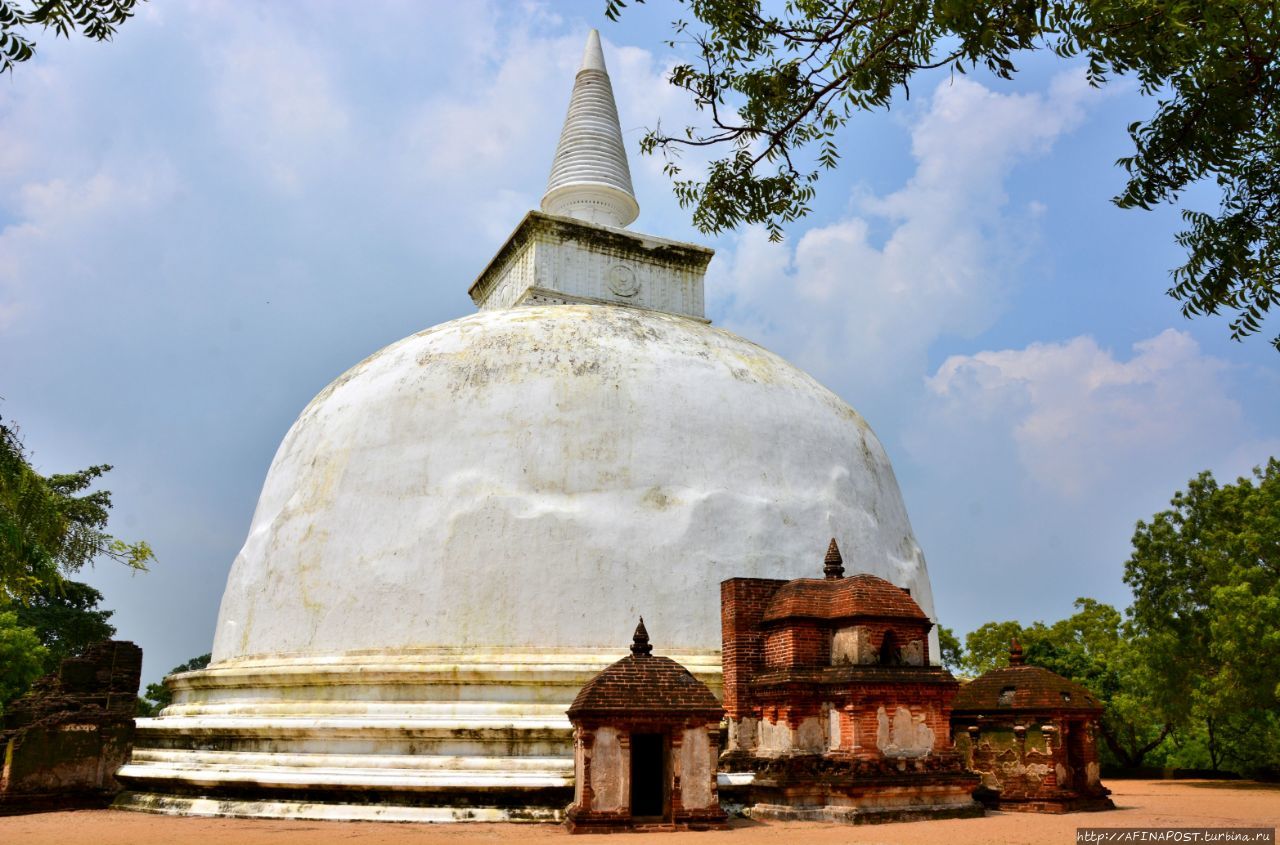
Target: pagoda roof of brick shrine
(1021,686)
(842,598)
(645,684)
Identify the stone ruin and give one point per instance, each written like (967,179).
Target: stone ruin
(64,739)
(1031,735)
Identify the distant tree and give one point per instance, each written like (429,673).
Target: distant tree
(1205,576)
(158,696)
(97,19)
(777,80)
(1097,648)
(1191,673)
(51,526)
(987,647)
(952,652)
(22,657)
(66,620)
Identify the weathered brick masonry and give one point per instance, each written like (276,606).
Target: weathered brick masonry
(832,702)
(1031,735)
(64,740)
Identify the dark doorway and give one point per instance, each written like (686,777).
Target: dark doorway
(890,654)
(1078,772)
(648,775)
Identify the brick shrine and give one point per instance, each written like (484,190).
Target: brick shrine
(1031,735)
(646,740)
(832,703)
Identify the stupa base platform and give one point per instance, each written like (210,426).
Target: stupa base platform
(380,808)
(1071,804)
(862,815)
(426,735)
(812,788)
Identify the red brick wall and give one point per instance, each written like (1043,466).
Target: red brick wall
(742,604)
(798,643)
(808,643)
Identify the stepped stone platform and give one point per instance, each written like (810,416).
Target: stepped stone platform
(416,735)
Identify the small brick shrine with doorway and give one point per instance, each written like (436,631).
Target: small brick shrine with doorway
(646,741)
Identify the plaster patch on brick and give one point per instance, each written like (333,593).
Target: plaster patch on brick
(696,769)
(609,765)
(904,735)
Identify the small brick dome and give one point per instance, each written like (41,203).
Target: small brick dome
(842,598)
(643,683)
(1019,686)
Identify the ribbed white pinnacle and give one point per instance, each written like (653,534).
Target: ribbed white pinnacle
(590,179)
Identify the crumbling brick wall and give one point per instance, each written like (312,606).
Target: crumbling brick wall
(64,740)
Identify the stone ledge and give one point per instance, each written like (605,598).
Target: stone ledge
(862,815)
(327,811)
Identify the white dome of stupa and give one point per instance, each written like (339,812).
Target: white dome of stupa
(538,477)
(460,531)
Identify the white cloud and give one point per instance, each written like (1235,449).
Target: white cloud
(488,127)
(66,225)
(1036,462)
(1079,418)
(275,100)
(950,249)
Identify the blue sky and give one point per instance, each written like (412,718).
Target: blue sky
(206,221)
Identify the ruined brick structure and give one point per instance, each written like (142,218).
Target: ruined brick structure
(1032,736)
(833,704)
(646,741)
(64,740)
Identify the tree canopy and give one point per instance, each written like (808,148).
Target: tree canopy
(55,623)
(951,649)
(22,657)
(51,526)
(97,19)
(1096,648)
(1189,675)
(66,620)
(777,83)
(1205,576)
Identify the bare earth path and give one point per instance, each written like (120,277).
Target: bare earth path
(1141,803)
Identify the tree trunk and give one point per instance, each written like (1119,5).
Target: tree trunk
(1214,759)
(1131,759)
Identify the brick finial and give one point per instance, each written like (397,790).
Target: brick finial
(833,565)
(1015,652)
(640,642)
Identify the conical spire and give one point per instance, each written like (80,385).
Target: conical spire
(590,179)
(1015,652)
(640,642)
(833,566)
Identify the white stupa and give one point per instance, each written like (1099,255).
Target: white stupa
(462,529)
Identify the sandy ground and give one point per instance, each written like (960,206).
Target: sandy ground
(1139,803)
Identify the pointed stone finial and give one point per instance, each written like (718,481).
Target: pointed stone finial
(1015,652)
(640,642)
(590,179)
(593,55)
(833,565)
